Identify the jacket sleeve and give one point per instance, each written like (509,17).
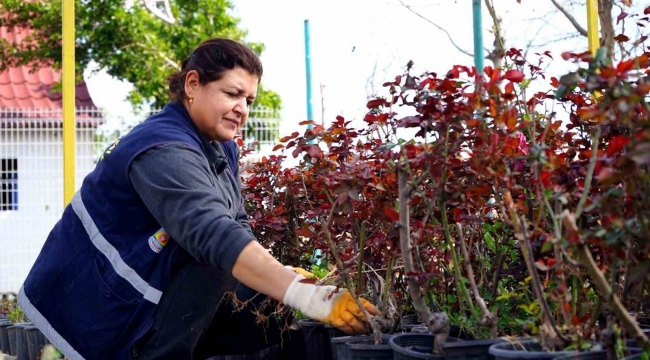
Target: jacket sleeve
(175,183)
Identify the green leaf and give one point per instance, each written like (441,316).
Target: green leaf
(547,246)
(490,242)
(128,42)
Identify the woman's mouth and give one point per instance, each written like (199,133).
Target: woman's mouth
(232,121)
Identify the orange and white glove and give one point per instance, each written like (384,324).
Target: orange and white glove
(300,271)
(329,305)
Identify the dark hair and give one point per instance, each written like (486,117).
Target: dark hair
(211,59)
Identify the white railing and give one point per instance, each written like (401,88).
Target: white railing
(31,174)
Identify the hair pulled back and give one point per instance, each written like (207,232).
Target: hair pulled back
(211,60)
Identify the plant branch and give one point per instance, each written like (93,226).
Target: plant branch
(590,172)
(348,284)
(521,234)
(445,226)
(570,17)
(438,323)
(439,28)
(604,287)
(489,319)
(362,250)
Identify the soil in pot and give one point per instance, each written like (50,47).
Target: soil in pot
(367,350)
(524,349)
(341,351)
(317,340)
(458,333)
(469,350)
(415,346)
(411,319)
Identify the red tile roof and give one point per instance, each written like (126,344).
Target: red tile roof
(22,89)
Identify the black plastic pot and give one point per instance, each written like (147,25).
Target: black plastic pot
(317,340)
(415,346)
(600,354)
(524,349)
(469,350)
(342,352)
(18,340)
(35,341)
(367,350)
(4,336)
(11,331)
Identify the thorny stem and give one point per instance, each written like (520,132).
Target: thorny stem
(590,172)
(604,287)
(362,248)
(445,225)
(489,319)
(348,284)
(439,323)
(389,276)
(520,229)
(557,249)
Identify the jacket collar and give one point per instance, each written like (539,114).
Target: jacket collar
(212,149)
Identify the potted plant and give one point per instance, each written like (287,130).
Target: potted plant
(514,226)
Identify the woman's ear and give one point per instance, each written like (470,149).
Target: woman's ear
(191,83)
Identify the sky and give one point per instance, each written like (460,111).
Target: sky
(357,45)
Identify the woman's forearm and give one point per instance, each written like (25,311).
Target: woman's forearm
(260,271)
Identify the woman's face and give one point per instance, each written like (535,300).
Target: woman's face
(220,108)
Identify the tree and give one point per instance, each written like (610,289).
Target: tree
(126,40)
(609,26)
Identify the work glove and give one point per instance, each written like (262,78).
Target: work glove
(300,271)
(329,305)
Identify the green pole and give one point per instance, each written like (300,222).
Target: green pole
(478,35)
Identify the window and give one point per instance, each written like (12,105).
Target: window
(8,184)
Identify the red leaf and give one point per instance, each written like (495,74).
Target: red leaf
(278,147)
(510,88)
(588,113)
(555,82)
(646,11)
(307,122)
(314,151)
(625,66)
(567,306)
(305,232)
(391,214)
(375,103)
(514,76)
(575,320)
(620,17)
(545,176)
(616,144)
(370,118)
(621,38)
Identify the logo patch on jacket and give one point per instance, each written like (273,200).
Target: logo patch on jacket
(158,241)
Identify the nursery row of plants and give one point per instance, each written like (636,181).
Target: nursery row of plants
(484,217)
(511,218)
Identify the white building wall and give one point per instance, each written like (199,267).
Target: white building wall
(39,154)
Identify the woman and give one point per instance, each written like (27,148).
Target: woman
(143,255)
